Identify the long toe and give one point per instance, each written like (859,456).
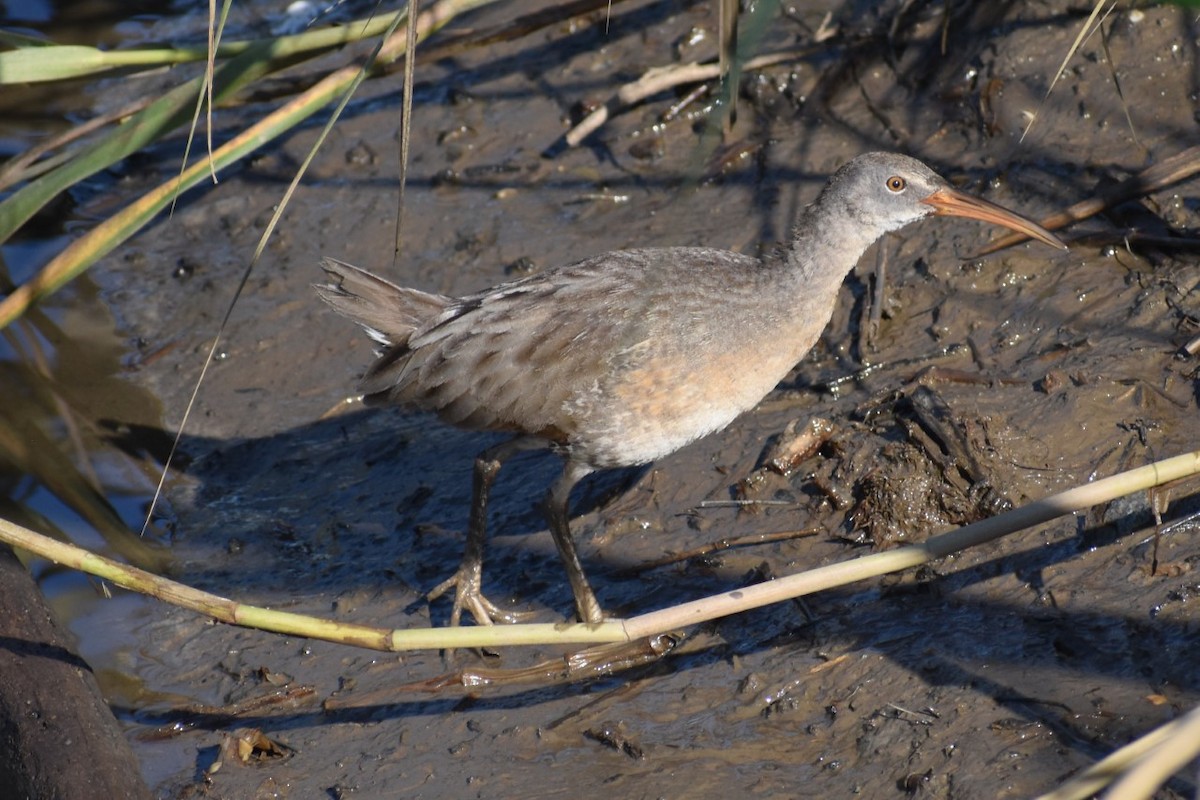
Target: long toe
(468,595)
(478,604)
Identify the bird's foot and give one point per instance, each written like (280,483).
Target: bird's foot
(468,594)
(588,609)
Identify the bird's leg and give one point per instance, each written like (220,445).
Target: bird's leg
(467,582)
(557,511)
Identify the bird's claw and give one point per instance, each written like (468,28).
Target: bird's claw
(468,594)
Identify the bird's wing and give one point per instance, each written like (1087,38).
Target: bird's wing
(513,357)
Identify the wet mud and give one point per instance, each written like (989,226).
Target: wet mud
(985,382)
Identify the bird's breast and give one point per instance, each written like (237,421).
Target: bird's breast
(667,400)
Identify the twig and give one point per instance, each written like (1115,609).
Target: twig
(1170,171)
(743,503)
(1160,762)
(1127,759)
(827,577)
(717,546)
(201,715)
(27,166)
(598,661)
(640,627)
(513,29)
(658,79)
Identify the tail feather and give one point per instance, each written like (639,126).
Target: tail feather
(388,312)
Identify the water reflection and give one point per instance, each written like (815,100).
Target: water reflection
(60,381)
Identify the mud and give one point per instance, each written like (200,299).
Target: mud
(992,381)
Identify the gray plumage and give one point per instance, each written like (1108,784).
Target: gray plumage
(624,357)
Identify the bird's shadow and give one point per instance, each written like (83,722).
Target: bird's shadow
(937,626)
(354,504)
(370,500)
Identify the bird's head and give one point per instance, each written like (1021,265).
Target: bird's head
(887,191)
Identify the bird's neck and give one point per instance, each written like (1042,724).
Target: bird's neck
(829,239)
(799,289)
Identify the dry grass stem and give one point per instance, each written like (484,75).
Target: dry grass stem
(640,627)
(1166,173)
(1176,739)
(1090,26)
(659,79)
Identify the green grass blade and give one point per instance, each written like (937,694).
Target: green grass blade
(101,240)
(171,111)
(162,116)
(65,61)
(36,61)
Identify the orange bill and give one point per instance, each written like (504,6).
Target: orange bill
(950,202)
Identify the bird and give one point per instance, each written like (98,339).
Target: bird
(624,357)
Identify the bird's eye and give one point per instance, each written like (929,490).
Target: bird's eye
(896,184)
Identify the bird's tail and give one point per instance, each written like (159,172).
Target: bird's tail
(388,312)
